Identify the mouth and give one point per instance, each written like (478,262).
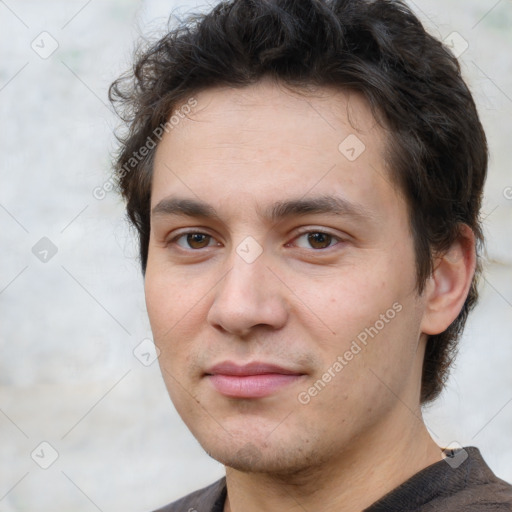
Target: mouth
(252,380)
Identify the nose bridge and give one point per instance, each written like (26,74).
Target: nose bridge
(246,296)
(247,276)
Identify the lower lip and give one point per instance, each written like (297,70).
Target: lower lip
(251,386)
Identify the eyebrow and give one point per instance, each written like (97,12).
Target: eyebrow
(326,204)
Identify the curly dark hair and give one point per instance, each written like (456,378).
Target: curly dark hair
(436,150)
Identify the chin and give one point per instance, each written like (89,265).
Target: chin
(250,457)
(247,459)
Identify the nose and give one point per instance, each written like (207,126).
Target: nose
(248,296)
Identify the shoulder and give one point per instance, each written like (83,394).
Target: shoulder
(475,489)
(491,496)
(208,499)
(461,482)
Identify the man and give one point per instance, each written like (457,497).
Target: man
(305,178)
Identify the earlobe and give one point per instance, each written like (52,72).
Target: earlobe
(448,286)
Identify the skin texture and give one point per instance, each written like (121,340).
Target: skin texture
(298,305)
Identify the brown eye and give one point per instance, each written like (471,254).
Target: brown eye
(319,240)
(198,240)
(194,240)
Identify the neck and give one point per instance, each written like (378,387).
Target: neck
(351,480)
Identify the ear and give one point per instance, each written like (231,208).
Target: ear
(448,286)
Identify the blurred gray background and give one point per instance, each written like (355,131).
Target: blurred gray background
(87,425)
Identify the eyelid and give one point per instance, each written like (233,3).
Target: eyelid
(313,229)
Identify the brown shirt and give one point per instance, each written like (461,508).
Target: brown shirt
(446,486)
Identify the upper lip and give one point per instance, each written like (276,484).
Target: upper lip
(252,368)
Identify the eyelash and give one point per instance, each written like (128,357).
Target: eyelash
(301,233)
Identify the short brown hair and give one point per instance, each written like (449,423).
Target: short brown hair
(437,149)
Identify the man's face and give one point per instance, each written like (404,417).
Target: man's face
(285,339)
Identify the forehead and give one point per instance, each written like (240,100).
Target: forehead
(269,107)
(264,142)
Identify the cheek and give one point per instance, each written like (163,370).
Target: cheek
(359,381)
(366,316)
(344,303)
(167,305)
(158,304)
(176,311)
(169,292)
